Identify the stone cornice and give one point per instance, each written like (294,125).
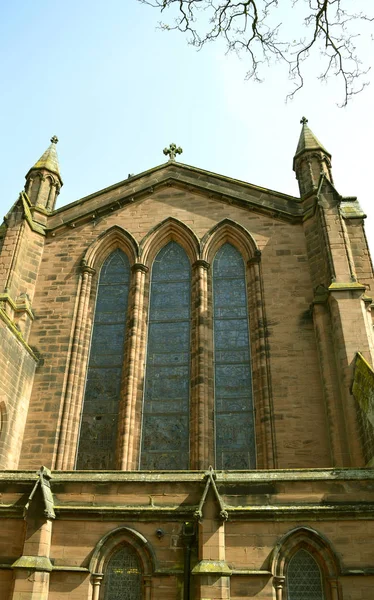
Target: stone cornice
(280,512)
(259,476)
(349,572)
(258,496)
(297,512)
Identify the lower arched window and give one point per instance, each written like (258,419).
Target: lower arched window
(304,577)
(123,575)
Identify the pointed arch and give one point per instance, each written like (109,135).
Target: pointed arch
(169,230)
(112,239)
(308,539)
(234,419)
(228,231)
(166,404)
(129,545)
(115,538)
(98,439)
(51,178)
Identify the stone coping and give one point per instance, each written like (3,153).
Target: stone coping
(175,167)
(259,476)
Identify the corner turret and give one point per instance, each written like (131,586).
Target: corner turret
(311,160)
(43,181)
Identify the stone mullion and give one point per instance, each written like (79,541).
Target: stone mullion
(53,191)
(43,192)
(73,397)
(202,436)
(262,397)
(130,417)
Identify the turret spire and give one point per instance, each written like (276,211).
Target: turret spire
(308,140)
(49,160)
(311,159)
(43,181)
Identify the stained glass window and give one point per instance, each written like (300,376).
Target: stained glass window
(123,576)
(304,578)
(98,433)
(234,419)
(165,436)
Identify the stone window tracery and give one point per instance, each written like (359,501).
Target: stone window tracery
(304,578)
(305,566)
(98,431)
(123,576)
(234,419)
(165,435)
(175,390)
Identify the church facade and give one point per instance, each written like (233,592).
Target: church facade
(186,389)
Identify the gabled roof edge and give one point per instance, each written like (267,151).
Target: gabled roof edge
(173,164)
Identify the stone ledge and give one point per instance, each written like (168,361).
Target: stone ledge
(347,286)
(212,567)
(265,475)
(251,572)
(33,563)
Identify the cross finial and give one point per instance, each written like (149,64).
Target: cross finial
(172,151)
(54,139)
(304,121)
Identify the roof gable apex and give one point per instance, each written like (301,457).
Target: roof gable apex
(181,176)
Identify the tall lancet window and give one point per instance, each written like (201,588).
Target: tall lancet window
(234,418)
(304,578)
(165,435)
(98,434)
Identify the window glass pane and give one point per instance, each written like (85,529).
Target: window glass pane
(98,433)
(165,438)
(234,421)
(304,578)
(123,577)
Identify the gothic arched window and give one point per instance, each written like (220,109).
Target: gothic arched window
(98,433)
(234,417)
(165,435)
(123,576)
(304,577)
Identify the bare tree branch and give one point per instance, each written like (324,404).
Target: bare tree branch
(250,26)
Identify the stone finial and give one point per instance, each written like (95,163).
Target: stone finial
(304,120)
(54,139)
(172,151)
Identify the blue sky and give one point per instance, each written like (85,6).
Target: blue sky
(116,91)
